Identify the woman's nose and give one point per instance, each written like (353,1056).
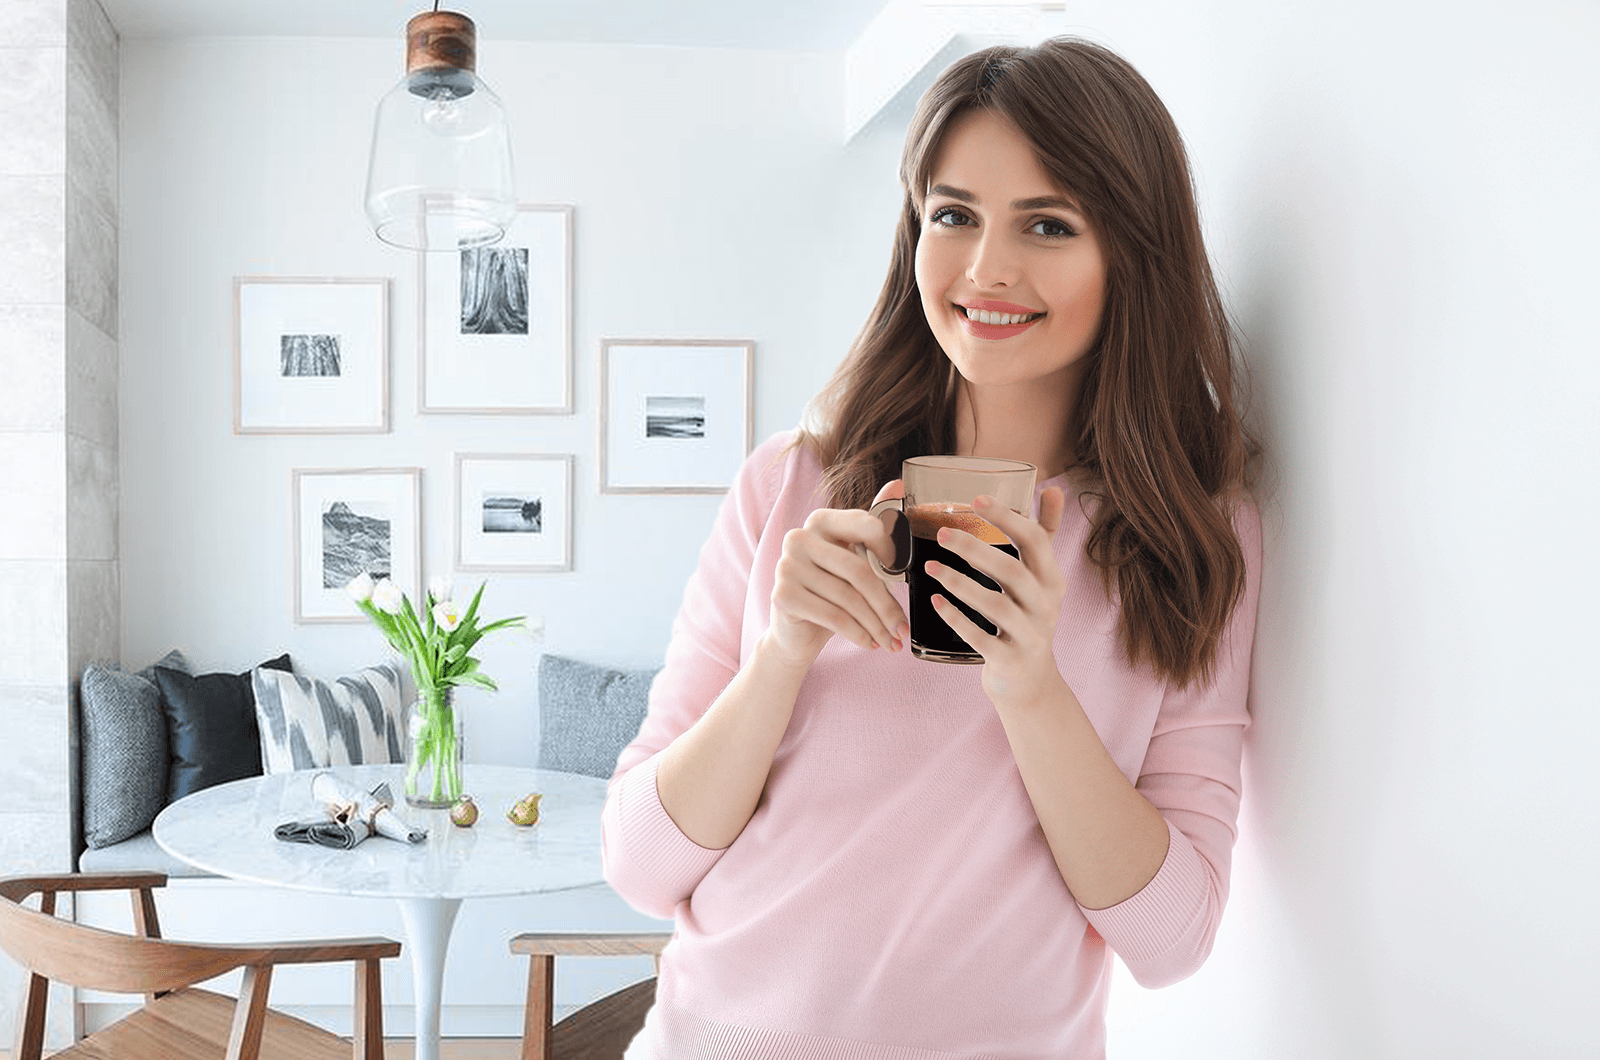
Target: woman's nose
(994,262)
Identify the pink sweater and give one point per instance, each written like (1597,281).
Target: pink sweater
(893,898)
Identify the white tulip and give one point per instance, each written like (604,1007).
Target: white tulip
(448,614)
(440,587)
(360,587)
(387,597)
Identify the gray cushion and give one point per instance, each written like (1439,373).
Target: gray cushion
(124,750)
(139,854)
(588,714)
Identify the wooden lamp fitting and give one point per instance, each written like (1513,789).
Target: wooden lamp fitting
(440,40)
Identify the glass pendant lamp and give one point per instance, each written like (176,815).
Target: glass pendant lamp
(439,177)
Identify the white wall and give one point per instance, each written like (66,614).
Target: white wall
(1400,199)
(713,200)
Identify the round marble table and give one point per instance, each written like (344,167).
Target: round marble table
(228,830)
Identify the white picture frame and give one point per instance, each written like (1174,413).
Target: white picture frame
(513,511)
(380,520)
(676,415)
(310,355)
(495,322)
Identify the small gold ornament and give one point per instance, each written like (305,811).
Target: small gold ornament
(526,811)
(464,814)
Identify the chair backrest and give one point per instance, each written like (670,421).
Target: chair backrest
(92,958)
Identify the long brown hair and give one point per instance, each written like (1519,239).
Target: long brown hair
(1158,437)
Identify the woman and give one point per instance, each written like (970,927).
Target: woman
(874,856)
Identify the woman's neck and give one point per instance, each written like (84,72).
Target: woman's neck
(1031,422)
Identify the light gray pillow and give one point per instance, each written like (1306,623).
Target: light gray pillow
(588,714)
(123,749)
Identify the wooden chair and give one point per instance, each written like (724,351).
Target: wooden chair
(600,1030)
(177,1021)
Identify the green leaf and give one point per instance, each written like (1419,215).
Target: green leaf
(472,608)
(504,623)
(477,679)
(455,653)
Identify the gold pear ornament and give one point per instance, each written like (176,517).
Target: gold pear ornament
(526,811)
(464,814)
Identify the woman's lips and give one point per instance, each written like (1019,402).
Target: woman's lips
(993,331)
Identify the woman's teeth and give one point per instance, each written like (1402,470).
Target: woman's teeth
(984,317)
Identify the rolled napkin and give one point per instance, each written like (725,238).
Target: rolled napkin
(322,832)
(352,816)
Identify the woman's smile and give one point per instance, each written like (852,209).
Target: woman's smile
(986,319)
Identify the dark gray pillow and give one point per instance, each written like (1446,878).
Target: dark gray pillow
(123,744)
(588,714)
(212,733)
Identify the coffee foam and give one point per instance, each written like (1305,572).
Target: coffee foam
(926,519)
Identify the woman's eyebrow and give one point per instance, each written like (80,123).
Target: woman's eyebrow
(1042,202)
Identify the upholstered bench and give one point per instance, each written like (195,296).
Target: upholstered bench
(587,714)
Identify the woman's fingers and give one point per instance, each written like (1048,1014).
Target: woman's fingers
(982,641)
(819,560)
(1034,540)
(1000,608)
(894,489)
(801,604)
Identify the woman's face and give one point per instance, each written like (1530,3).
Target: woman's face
(999,237)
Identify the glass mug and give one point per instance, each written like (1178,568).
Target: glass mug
(939,492)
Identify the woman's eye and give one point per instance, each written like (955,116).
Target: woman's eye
(948,216)
(1053,229)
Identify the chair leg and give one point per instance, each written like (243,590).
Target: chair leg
(368,1038)
(250,1014)
(30,1020)
(145,922)
(539,1012)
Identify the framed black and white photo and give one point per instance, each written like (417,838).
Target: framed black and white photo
(351,522)
(310,355)
(675,414)
(496,321)
(514,511)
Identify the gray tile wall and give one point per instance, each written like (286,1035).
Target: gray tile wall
(58,425)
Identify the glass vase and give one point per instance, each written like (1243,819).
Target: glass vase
(433,770)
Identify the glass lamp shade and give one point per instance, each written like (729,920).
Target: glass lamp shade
(440,173)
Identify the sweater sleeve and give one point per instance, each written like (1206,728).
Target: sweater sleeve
(647,858)
(1191,773)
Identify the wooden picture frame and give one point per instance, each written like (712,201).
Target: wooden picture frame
(350,520)
(677,416)
(513,511)
(495,323)
(310,355)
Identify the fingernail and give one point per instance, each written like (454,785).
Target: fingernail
(943,536)
(902,631)
(982,501)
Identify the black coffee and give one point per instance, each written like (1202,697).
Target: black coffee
(931,638)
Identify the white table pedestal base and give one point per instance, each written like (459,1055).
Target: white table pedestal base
(428,922)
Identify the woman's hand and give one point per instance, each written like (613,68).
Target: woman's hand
(1019,660)
(826,586)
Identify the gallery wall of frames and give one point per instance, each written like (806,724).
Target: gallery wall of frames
(311,355)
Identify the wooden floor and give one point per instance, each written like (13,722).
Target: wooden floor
(450,1049)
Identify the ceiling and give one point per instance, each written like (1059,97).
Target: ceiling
(806,25)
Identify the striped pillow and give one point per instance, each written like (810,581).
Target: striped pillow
(311,724)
